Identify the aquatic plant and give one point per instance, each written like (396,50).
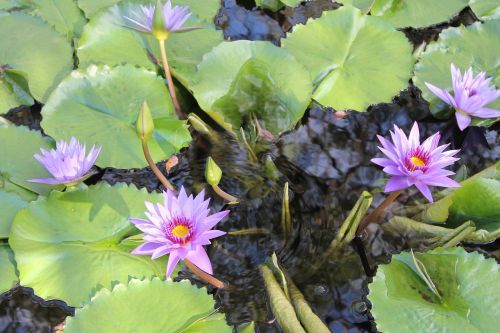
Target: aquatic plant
(409,162)
(69,164)
(470,97)
(161,21)
(180,227)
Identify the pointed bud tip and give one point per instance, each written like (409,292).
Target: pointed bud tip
(160,31)
(213,172)
(145,123)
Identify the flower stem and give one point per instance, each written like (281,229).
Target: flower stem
(171,87)
(204,276)
(373,216)
(224,195)
(155,169)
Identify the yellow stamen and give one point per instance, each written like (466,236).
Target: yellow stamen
(180,230)
(417,161)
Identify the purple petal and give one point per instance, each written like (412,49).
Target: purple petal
(462,120)
(173,259)
(50,181)
(146,248)
(396,183)
(424,189)
(200,258)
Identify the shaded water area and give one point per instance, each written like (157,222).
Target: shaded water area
(325,160)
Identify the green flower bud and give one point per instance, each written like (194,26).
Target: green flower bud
(213,173)
(145,123)
(159,27)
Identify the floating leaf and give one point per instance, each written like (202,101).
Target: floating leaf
(72,243)
(253,78)
(103,103)
(107,40)
(63,15)
(11,203)
(12,92)
(8,277)
(355,60)
(363,5)
(478,199)
(417,14)
(149,306)
(17,146)
(467,282)
(275,5)
(34,48)
(475,45)
(485,9)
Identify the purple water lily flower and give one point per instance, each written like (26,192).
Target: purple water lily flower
(180,227)
(470,96)
(68,163)
(411,163)
(174,18)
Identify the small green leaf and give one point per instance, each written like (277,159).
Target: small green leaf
(8,276)
(151,306)
(467,282)
(253,77)
(72,243)
(355,60)
(102,103)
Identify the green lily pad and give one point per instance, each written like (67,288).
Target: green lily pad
(363,5)
(11,203)
(276,5)
(107,40)
(417,14)
(475,45)
(355,60)
(152,306)
(17,146)
(485,9)
(63,15)
(72,243)
(35,49)
(8,275)
(13,93)
(103,103)
(253,77)
(468,285)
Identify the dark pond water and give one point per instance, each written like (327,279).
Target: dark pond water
(326,161)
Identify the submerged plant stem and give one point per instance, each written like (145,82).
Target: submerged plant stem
(171,87)
(155,169)
(204,276)
(373,216)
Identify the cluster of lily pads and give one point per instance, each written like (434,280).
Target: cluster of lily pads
(121,76)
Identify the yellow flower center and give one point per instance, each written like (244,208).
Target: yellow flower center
(417,161)
(180,230)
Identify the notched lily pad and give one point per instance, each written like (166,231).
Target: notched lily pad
(253,78)
(100,106)
(152,306)
(8,275)
(18,144)
(70,244)
(468,286)
(35,49)
(355,60)
(10,204)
